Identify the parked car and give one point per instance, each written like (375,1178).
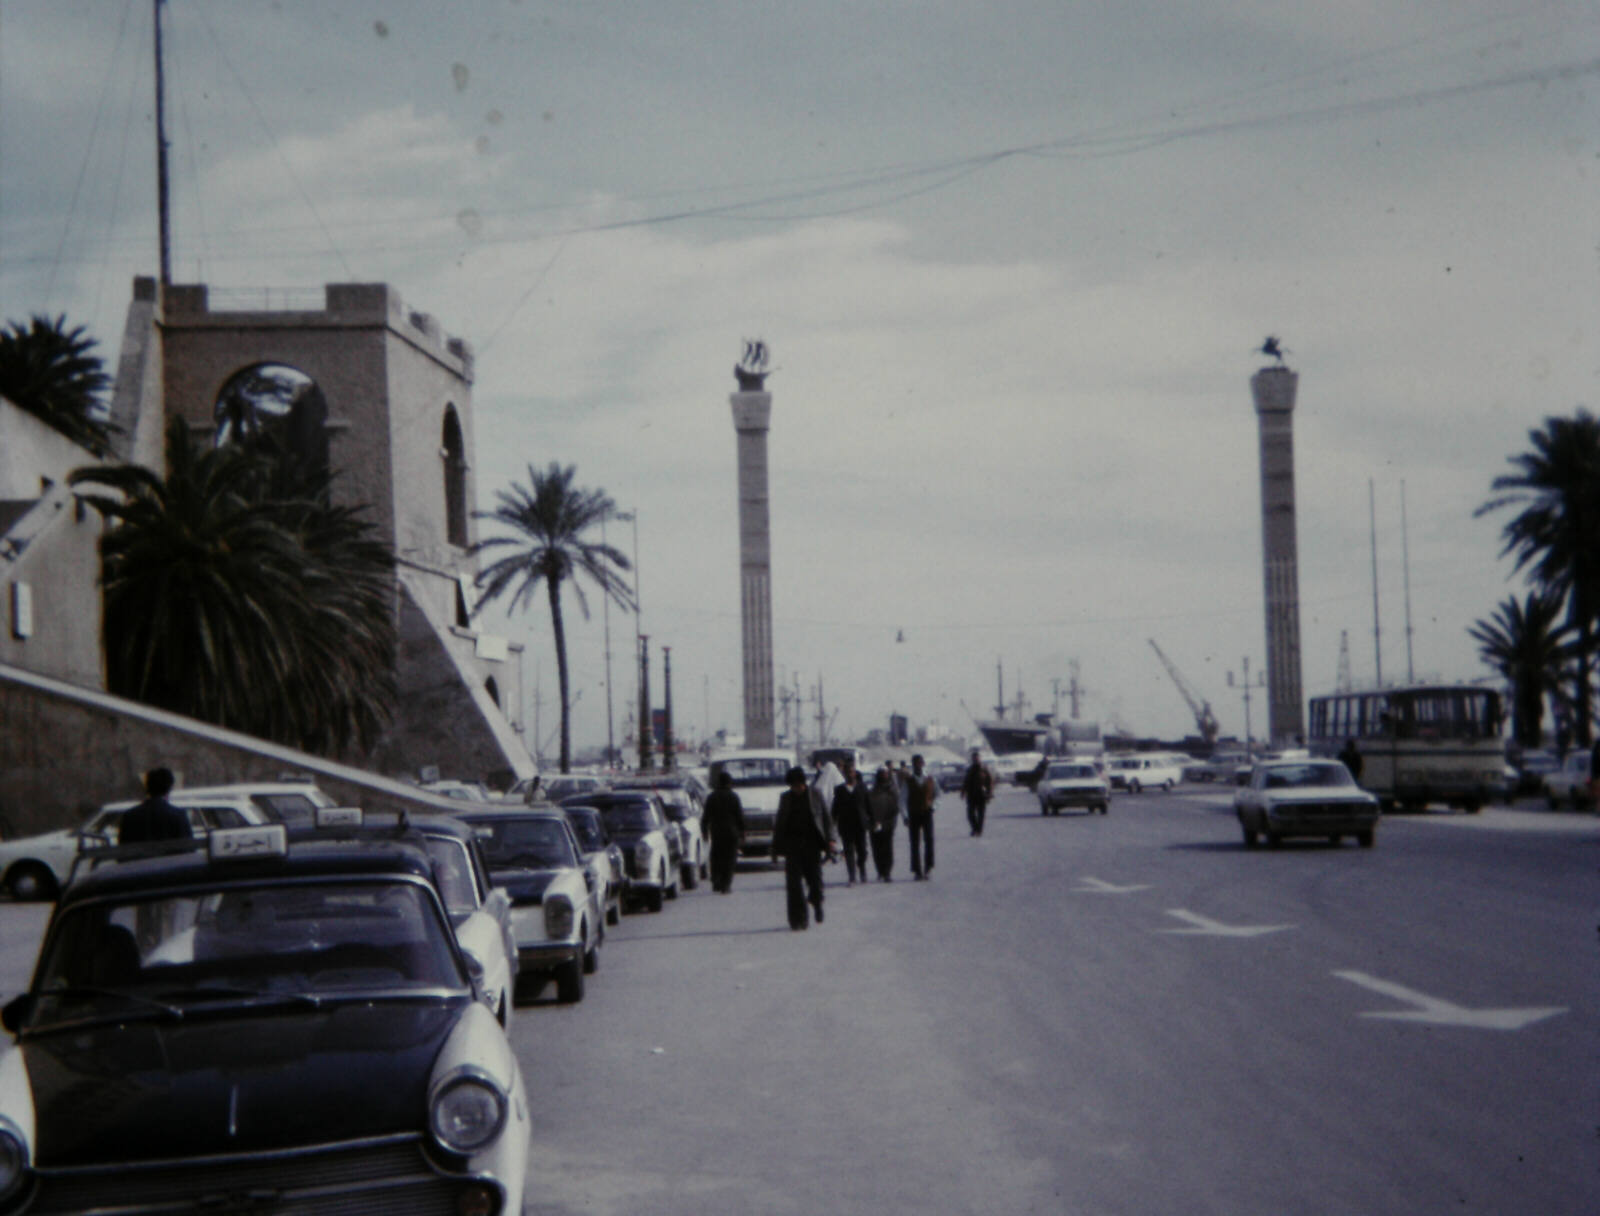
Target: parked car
(1073,783)
(685,811)
(758,778)
(602,856)
(1305,798)
(464,791)
(292,1026)
(1221,766)
(1570,783)
(947,774)
(565,785)
(556,911)
(36,867)
(1529,770)
(636,821)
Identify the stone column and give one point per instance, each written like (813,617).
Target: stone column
(1274,389)
(751,412)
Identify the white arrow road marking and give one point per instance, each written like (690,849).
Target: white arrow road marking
(1100,887)
(1443,1013)
(1204,926)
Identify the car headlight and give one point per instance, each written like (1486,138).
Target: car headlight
(557,916)
(643,855)
(467,1112)
(13,1159)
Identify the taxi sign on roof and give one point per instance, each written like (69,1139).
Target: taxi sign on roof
(338,816)
(231,844)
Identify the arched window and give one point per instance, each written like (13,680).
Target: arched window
(454,453)
(278,404)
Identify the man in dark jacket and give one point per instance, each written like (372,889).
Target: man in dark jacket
(802,834)
(977,787)
(724,821)
(155,818)
(921,793)
(851,812)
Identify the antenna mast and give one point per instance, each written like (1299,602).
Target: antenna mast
(1405,558)
(162,208)
(1377,637)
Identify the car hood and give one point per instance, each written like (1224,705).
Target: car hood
(524,886)
(227,1084)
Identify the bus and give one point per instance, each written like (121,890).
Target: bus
(1418,744)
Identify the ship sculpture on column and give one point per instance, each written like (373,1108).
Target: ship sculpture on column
(752,411)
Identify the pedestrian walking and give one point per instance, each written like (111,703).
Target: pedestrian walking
(977,787)
(921,794)
(852,812)
(724,822)
(155,818)
(803,836)
(1350,756)
(885,803)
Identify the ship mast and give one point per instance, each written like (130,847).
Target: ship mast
(162,206)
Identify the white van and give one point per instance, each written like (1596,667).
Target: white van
(1134,773)
(1570,782)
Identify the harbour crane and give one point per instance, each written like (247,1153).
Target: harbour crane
(1205,721)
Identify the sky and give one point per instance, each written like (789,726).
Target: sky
(1014,261)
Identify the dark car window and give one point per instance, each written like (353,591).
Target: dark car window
(452,870)
(588,829)
(294,809)
(1300,776)
(1062,771)
(510,842)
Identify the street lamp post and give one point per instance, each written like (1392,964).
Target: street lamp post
(605,607)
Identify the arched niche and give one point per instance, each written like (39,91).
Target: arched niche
(279,403)
(453,452)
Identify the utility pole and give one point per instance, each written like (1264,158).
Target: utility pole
(1405,560)
(163,207)
(645,732)
(1377,637)
(1000,690)
(822,716)
(1074,691)
(667,743)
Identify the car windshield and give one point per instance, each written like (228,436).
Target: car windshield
(517,843)
(630,817)
(244,943)
(1063,771)
(754,770)
(586,827)
(1302,776)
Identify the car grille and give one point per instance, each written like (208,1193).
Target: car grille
(1323,810)
(348,1180)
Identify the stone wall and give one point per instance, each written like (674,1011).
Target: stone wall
(65,751)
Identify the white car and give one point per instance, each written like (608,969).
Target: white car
(1073,783)
(557,914)
(684,809)
(759,780)
(36,867)
(1570,782)
(1305,798)
(602,856)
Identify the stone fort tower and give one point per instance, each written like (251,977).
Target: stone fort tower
(382,398)
(1273,389)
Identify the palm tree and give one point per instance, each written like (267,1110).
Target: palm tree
(228,602)
(548,519)
(1556,533)
(1527,644)
(52,372)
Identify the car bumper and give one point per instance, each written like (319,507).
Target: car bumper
(546,956)
(1321,822)
(1058,798)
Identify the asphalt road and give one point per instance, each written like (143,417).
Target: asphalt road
(1087,1014)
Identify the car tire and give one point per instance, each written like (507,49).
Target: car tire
(672,891)
(1105,808)
(1274,839)
(591,959)
(31,880)
(1364,839)
(652,900)
(1251,836)
(691,879)
(1133,786)
(525,989)
(569,981)
(1166,786)
(614,913)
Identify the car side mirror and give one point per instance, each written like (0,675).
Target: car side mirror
(17,1012)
